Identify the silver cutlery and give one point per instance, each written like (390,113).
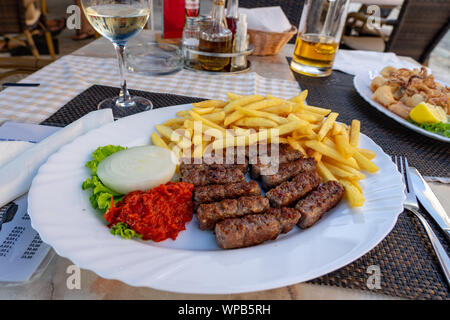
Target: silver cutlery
(429,201)
(412,206)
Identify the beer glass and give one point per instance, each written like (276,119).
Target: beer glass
(319,34)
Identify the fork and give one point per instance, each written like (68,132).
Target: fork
(412,206)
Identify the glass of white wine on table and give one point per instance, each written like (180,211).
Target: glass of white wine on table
(118,21)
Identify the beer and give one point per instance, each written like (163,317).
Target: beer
(317,51)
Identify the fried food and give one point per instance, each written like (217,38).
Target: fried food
(248,122)
(400,90)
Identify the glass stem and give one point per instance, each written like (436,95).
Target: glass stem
(124,96)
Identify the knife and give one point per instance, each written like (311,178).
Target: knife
(429,201)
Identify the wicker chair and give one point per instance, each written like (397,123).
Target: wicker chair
(419,28)
(14,26)
(292,8)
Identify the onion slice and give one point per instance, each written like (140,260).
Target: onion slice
(137,168)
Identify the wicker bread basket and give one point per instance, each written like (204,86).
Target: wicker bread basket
(270,43)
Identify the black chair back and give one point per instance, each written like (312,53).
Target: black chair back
(420,26)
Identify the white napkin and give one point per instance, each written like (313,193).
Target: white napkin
(356,61)
(17,174)
(271,19)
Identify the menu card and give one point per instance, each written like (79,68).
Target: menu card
(21,249)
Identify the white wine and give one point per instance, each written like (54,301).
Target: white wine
(117,22)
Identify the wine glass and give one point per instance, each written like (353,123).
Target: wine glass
(118,21)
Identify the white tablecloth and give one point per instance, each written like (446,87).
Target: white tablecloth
(64,79)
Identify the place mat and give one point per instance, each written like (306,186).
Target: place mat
(336,92)
(408,267)
(88,100)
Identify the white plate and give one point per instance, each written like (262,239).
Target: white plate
(60,211)
(362,83)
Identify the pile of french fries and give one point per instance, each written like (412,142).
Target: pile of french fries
(256,119)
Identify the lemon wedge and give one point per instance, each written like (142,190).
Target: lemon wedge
(425,112)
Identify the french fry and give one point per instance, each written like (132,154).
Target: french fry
(330,152)
(354,196)
(256,122)
(300,98)
(295,144)
(343,146)
(174,121)
(158,141)
(262,114)
(210,103)
(325,173)
(203,111)
(337,129)
(321,111)
(233,117)
(369,154)
(338,172)
(365,163)
(355,172)
(209,123)
(236,115)
(356,184)
(261,135)
(316,155)
(327,125)
(309,116)
(282,109)
(264,104)
(241,131)
(183,113)
(354,133)
(245,100)
(215,117)
(233,96)
(285,128)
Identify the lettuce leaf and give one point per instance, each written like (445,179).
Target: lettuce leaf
(101,194)
(123,230)
(440,127)
(100,154)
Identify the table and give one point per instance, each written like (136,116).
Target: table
(53,282)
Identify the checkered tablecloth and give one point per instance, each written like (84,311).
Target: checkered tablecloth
(64,79)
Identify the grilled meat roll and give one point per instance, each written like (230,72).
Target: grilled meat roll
(290,191)
(288,170)
(203,177)
(255,229)
(314,205)
(209,214)
(214,193)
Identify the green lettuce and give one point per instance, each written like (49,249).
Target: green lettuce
(100,154)
(101,194)
(439,127)
(123,230)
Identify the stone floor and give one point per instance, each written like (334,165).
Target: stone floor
(439,60)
